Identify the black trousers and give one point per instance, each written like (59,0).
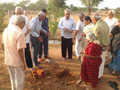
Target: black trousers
(44,45)
(66,45)
(28,56)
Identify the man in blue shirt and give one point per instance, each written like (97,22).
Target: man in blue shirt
(44,44)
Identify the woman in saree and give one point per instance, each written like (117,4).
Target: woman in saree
(88,28)
(91,61)
(114,66)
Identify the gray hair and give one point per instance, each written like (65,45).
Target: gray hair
(41,14)
(81,14)
(113,11)
(97,16)
(92,38)
(19,19)
(18,7)
(67,10)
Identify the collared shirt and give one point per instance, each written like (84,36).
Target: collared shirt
(45,25)
(101,31)
(111,23)
(26,27)
(80,26)
(13,40)
(36,27)
(70,24)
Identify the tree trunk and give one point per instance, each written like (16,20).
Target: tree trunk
(89,11)
(54,39)
(9,14)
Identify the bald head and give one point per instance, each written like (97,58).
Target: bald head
(81,16)
(18,10)
(111,13)
(41,15)
(95,18)
(19,21)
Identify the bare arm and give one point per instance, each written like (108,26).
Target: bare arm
(2,46)
(75,33)
(81,38)
(111,35)
(21,54)
(28,31)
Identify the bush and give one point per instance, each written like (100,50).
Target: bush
(2,18)
(117,14)
(53,17)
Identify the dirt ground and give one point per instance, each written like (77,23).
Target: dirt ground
(53,79)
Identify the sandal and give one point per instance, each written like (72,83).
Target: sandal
(113,85)
(79,81)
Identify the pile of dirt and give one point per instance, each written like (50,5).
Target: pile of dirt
(38,73)
(55,78)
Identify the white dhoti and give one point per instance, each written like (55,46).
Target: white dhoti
(78,47)
(101,68)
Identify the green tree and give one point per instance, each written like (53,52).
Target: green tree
(55,11)
(2,18)
(117,14)
(10,6)
(106,8)
(57,3)
(90,4)
(73,8)
(24,4)
(39,5)
(53,17)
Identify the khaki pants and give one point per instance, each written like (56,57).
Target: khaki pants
(16,77)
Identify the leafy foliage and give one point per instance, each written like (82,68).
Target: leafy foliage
(2,18)
(90,4)
(57,3)
(117,14)
(23,3)
(39,5)
(53,14)
(53,19)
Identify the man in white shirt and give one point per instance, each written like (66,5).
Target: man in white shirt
(67,26)
(13,42)
(111,21)
(79,29)
(26,30)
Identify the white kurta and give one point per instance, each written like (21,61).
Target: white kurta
(78,45)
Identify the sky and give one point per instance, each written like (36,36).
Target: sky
(112,4)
